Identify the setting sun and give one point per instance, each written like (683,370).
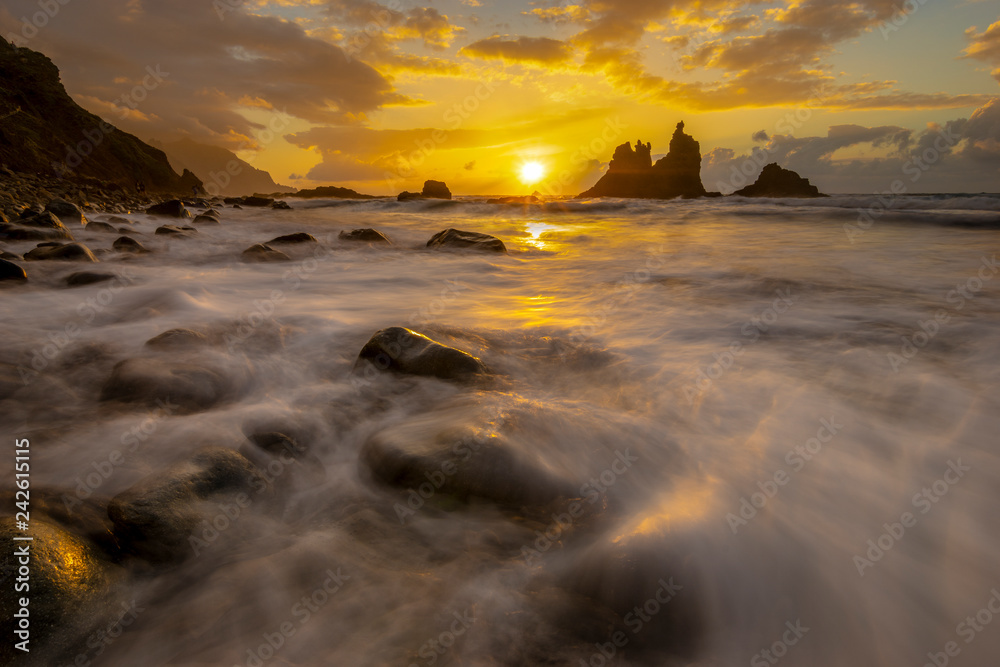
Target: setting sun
(532,172)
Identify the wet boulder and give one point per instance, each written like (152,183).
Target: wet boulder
(154,383)
(171,209)
(9,271)
(281,206)
(17,232)
(178,338)
(81,278)
(66,211)
(97,226)
(436,190)
(164,517)
(461,453)
(404,351)
(68,252)
(126,244)
(258,201)
(367,235)
(45,219)
(298,237)
(72,585)
(173,230)
(202,219)
(456,238)
(261,252)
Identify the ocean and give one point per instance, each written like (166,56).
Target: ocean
(734,431)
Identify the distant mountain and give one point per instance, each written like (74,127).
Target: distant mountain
(222,172)
(332,192)
(43,131)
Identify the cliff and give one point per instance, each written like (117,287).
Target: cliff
(220,169)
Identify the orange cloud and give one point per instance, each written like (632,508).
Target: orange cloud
(540,50)
(985,46)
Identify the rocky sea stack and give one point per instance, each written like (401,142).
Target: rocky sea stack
(632,173)
(774,181)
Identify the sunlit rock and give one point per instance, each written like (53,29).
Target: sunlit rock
(69,252)
(261,252)
(436,190)
(65,211)
(404,351)
(157,518)
(456,238)
(367,235)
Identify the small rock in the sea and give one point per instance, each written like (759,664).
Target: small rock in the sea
(436,190)
(11,271)
(173,230)
(70,252)
(65,211)
(87,278)
(261,252)
(158,518)
(117,220)
(281,205)
(177,337)
(203,219)
(173,209)
(97,226)
(211,212)
(18,232)
(298,237)
(257,201)
(126,244)
(45,219)
(405,351)
(456,238)
(367,235)
(151,382)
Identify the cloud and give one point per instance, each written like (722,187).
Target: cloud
(961,155)
(209,62)
(985,46)
(540,50)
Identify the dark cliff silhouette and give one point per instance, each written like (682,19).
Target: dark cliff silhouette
(632,173)
(44,131)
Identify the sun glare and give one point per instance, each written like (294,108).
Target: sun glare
(532,172)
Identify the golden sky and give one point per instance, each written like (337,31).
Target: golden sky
(379,96)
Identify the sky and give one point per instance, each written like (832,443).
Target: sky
(381,95)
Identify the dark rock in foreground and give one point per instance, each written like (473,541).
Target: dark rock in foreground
(173,208)
(367,235)
(188,387)
(126,244)
(298,237)
(631,174)
(70,252)
(87,278)
(177,338)
(774,181)
(203,219)
(262,252)
(65,211)
(97,226)
(405,351)
(453,454)
(11,271)
(157,518)
(456,238)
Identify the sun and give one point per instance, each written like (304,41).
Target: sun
(532,172)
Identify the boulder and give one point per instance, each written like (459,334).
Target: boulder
(10,256)
(261,252)
(177,338)
(88,278)
(632,174)
(529,199)
(298,237)
(100,227)
(203,219)
(774,181)
(117,220)
(65,211)
(404,351)
(11,271)
(367,235)
(281,206)
(157,518)
(173,209)
(17,232)
(153,383)
(73,586)
(46,219)
(173,230)
(70,252)
(456,238)
(257,201)
(407,196)
(436,190)
(211,212)
(126,244)
(463,454)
